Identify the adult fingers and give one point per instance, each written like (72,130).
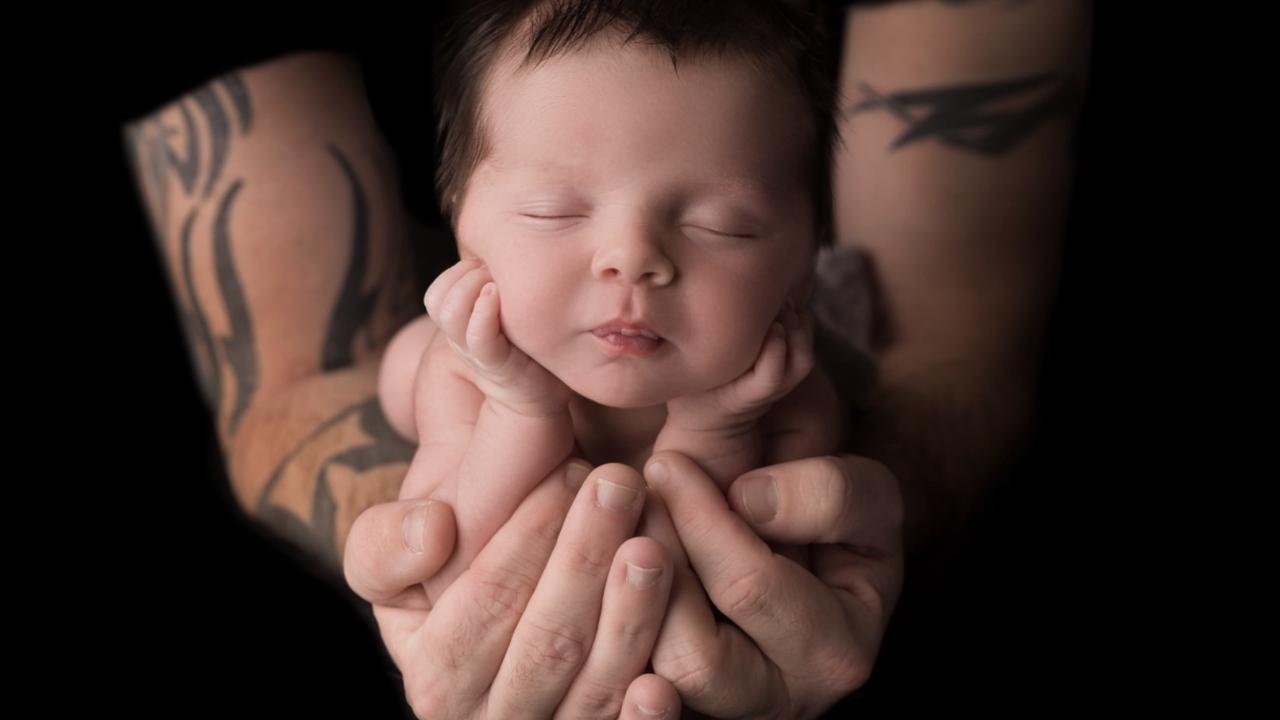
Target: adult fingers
(458,650)
(848,510)
(635,599)
(716,669)
(651,698)
(849,500)
(394,547)
(802,625)
(557,628)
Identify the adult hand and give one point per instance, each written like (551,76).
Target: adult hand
(524,632)
(798,641)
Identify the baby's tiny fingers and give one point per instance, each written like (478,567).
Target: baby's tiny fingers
(439,287)
(789,316)
(484,333)
(763,379)
(456,309)
(801,355)
(771,366)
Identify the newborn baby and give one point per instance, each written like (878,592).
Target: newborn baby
(638,248)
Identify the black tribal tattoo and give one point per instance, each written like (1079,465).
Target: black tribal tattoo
(158,152)
(354,307)
(383,447)
(967,116)
(239,347)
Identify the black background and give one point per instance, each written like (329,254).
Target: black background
(209,613)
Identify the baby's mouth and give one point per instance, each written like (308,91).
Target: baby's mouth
(628,341)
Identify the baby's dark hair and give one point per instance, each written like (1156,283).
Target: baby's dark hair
(785,37)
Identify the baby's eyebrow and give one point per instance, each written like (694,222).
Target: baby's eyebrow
(752,188)
(760,193)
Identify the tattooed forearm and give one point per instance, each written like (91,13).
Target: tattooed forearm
(985,118)
(184,157)
(286,300)
(350,461)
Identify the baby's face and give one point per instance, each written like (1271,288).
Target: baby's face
(613,190)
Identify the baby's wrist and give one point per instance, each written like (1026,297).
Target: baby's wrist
(535,408)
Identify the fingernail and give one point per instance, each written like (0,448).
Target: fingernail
(415,525)
(656,472)
(643,577)
(614,496)
(649,712)
(760,498)
(576,473)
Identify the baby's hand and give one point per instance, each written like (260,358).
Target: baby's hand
(463,302)
(785,358)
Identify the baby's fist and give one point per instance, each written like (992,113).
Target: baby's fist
(464,304)
(786,357)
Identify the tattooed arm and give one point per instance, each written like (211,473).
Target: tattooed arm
(954,179)
(275,204)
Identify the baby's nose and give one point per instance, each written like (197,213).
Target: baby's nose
(634,262)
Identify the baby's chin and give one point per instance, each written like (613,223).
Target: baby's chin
(615,395)
(622,397)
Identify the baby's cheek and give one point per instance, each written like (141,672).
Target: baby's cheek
(722,357)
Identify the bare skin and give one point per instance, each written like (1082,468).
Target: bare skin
(947,354)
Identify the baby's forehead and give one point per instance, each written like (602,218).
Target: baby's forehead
(518,91)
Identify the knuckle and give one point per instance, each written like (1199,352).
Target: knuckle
(688,666)
(633,632)
(845,671)
(452,650)
(747,595)
(502,597)
(587,558)
(870,597)
(554,647)
(595,698)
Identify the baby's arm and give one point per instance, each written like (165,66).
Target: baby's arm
(487,437)
(721,429)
